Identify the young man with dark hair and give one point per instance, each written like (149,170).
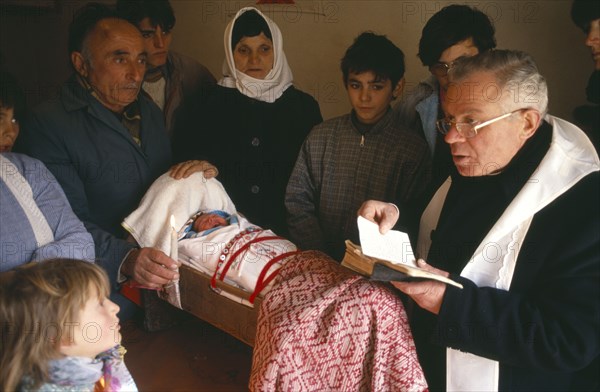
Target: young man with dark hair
(346,160)
(170,77)
(453,32)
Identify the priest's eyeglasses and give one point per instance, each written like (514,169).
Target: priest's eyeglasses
(468,129)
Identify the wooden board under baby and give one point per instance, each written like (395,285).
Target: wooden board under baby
(229,316)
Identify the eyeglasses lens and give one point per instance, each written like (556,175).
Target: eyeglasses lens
(439,69)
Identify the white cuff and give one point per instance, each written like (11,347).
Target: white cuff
(120,276)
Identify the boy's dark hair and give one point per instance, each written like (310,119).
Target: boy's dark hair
(249,24)
(11,95)
(159,12)
(451,25)
(375,53)
(583,12)
(84,21)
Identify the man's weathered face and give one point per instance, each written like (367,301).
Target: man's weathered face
(115,63)
(476,99)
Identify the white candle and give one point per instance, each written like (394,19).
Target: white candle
(174,253)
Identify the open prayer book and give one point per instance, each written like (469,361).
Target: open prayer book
(386,257)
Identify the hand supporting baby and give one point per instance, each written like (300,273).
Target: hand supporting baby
(187,168)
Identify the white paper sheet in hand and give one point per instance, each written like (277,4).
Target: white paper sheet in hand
(393,246)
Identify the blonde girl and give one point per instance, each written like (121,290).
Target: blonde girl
(59,330)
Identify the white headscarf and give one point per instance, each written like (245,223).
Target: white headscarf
(277,80)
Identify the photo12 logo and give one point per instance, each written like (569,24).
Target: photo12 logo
(312,11)
(91,332)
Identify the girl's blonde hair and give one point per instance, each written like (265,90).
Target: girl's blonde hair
(39,307)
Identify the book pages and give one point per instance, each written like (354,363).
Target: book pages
(393,246)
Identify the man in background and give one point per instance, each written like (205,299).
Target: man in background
(170,76)
(453,32)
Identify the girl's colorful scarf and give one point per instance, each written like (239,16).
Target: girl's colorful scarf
(107,373)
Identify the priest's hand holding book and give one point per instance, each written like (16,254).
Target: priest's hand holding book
(384,214)
(425,284)
(429,293)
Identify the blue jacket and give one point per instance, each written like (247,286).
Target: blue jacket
(419,110)
(36,190)
(103,172)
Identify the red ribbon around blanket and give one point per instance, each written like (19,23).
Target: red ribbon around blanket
(261,282)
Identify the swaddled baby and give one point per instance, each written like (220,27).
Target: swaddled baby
(230,248)
(214,238)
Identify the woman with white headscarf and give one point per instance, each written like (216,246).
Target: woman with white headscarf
(251,126)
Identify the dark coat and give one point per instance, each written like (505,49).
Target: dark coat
(545,329)
(103,172)
(254,145)
(184,78)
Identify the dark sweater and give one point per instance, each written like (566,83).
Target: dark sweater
(254,145)
(544,331)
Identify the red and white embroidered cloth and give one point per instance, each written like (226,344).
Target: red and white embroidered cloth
(323,328)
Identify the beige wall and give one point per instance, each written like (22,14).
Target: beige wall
(33,45)
(317,32)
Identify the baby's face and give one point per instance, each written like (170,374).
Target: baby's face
(208,221)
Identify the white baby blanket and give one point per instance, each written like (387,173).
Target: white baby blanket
(150,223)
